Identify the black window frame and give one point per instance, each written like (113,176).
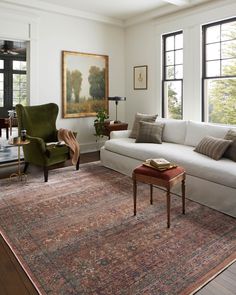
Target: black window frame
(8,72)
(204,61)
(164,66)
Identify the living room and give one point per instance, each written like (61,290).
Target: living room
(131,37)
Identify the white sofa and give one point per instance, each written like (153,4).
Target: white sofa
(209,182)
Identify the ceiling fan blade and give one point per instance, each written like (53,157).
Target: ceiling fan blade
(12,52)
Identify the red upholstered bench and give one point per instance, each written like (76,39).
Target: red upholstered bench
(166,179)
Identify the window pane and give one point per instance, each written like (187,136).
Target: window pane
(213,68)
(228,31)
(170,72)
(19,89)
(179,57)
(179,41)
(221,100)
(213,51)
(213,34)
(170,43)
(173,99)
(19,65)
(170,58)
(178,72)
(229,67)
(1,89)
(228,49)
(1,64)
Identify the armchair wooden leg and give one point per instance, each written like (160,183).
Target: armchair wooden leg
(45,169)
(77,164)
(26,167)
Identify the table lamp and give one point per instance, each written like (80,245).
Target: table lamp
(117,99)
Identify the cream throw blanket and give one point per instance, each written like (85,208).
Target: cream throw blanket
(69,138)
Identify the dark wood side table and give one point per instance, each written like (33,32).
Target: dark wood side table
(8,123)
(108,128)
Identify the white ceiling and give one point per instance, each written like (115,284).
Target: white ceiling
(119,9)
(119,12)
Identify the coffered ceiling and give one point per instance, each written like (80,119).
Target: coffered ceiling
(121,12)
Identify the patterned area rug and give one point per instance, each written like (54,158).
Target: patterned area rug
(76,234)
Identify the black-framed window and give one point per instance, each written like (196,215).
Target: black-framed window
(172,76)
(13,75)
(219,72)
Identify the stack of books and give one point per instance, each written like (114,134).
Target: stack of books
(159,164)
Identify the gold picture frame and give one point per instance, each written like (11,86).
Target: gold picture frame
(84,84)
(140,77)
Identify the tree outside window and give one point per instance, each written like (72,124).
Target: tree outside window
(172,83)
(219,72)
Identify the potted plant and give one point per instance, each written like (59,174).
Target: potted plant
(99,123)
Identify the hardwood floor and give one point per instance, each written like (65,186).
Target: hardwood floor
(14,281)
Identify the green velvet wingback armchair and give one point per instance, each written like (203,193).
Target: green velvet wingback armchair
(40,124)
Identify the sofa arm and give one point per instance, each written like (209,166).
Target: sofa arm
(120,134)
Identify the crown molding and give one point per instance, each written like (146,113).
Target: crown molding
(42,6)
(144,17)
(178,2)
(171,10)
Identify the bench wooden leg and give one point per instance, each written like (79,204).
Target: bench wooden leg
(183,196)
(168,207)
(134,194)
(151,194)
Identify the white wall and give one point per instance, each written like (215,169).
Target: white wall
(143,47)
(51,33)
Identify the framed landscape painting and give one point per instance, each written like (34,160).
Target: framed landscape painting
(84,84)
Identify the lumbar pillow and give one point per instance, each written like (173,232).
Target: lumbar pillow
(141,117)
(231,150)
(212,147)
(150,132)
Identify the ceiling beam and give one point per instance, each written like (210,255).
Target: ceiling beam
(178,2)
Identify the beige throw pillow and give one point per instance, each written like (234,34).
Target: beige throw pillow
(231,150)
(140,117)
(212,147)
(149,132)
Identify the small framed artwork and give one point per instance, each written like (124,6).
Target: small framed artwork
(140,77)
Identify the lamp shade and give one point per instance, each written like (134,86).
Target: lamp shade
(116,98)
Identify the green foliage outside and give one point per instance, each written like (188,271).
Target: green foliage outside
(174,105)
(20,89)
(222,101)
(222,92)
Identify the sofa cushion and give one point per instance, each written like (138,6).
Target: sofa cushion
(212,147)
(195,164)
(197,130)
(174,130)
(141,117)
(231,150)
(149,132)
